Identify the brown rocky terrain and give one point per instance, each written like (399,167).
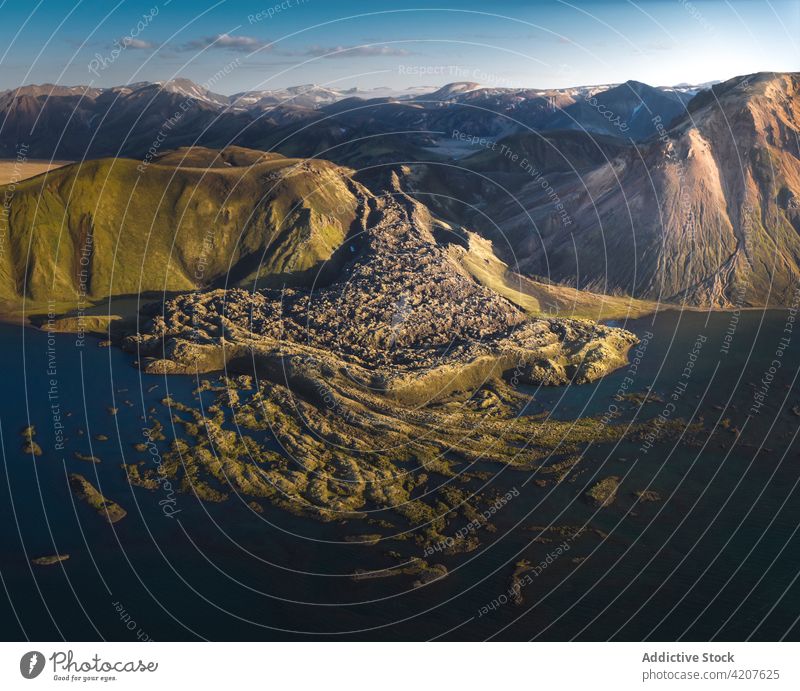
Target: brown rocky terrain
(404,318)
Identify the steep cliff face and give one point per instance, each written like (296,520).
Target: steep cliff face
(707,213)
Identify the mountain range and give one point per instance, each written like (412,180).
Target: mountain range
(683,195)
(72,122)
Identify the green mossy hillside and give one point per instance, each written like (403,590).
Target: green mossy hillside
(189,219)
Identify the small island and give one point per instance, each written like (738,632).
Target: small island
(50,560)
(87,492)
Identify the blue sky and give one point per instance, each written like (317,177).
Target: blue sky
(264,44)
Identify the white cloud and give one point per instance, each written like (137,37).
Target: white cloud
(136,43)
(226,42)
(356,51)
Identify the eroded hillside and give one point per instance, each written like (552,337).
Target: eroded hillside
(706,213)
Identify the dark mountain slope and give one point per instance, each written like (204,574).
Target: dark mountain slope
(631,110)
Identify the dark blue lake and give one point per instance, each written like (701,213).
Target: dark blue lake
(716,557)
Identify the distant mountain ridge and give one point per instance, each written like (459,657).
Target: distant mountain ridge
(80,121)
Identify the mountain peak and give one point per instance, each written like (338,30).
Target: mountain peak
(453,89)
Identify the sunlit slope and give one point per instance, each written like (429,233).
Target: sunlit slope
(191,218)
(539,298)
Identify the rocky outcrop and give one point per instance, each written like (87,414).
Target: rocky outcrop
(404,319)
(87,492)
(50,560)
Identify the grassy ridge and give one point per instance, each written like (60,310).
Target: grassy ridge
(187,220)
(544,299)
